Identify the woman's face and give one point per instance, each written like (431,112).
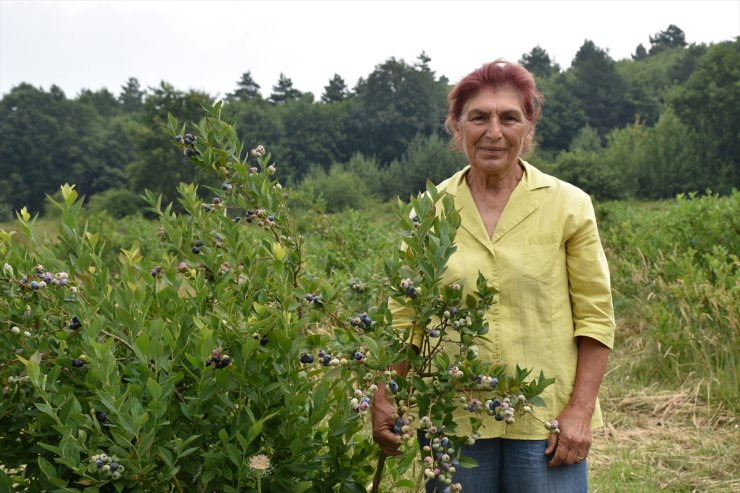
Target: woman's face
(493,130)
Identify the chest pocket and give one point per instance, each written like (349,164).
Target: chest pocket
(539,256)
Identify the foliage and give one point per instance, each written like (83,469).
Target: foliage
(710,104)
(100,142)
(676,268)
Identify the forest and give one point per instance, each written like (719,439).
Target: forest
(659,124)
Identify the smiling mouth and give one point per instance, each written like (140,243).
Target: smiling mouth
(493,149)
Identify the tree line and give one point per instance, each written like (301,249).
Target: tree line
(661,123)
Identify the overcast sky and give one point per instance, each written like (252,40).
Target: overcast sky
(207,45)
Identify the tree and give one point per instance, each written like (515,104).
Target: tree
(640,52)
(284,91)
(158,167)
(335,91)
(595,82)
(562,115)
(246,89)
(538,62)
(132,97)
(672,37)
(395,103)
(709,103)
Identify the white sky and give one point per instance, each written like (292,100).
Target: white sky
(207,45)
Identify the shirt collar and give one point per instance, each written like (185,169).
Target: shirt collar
(533,179)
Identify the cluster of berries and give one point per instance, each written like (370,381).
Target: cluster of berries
(42,278)
(17,330)
(402,428)
(19,380)
(439,455)
(188,143)
(362,321)
(361,401)
(79,362)
(407,285)
(102,417)
(553,426)
(185,268)
(197,247)
(217,359)
(357,286)
(107,465)
(156,271)
(315,299)
(261,217)
(262,338)
(258,151)
(327,359)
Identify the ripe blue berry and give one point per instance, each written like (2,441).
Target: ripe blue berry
(393,386)
(359,355)
(114,466)
(327,360)
(306,358)
(78,363)
(74,324)
(224,362)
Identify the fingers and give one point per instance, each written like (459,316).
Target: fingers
(552,443)
(566,451)
(387,440)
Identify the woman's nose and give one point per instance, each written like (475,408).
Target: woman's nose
(493,128)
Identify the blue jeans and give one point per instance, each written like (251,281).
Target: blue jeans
(515,466)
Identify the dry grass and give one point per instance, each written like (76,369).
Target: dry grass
(660,439)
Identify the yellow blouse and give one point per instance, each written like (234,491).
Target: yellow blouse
(546,260)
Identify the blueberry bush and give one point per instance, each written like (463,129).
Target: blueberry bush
(219,359)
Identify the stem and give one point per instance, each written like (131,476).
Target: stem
(378,473)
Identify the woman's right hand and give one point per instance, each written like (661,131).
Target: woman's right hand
(384,418)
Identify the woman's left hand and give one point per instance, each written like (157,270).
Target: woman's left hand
(573,443)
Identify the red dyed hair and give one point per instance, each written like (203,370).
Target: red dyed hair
(495,74)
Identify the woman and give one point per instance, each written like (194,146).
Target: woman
(535,239)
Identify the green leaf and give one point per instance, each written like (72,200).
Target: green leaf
(467,462)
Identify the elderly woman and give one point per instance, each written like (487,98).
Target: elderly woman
(535,238)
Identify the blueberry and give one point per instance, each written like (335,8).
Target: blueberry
(306,358)
(74,324)
(189,152)
(78,363)
(393,386)
(198,243)
(494,383)
(223,362)
(34,285)
(102,417)
(99,463)
(453,311)
(263,341)
(359,355)
(114,466)
(309,297)
(178,138)
(327,360)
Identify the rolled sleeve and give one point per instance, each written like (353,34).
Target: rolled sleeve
(588,280)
